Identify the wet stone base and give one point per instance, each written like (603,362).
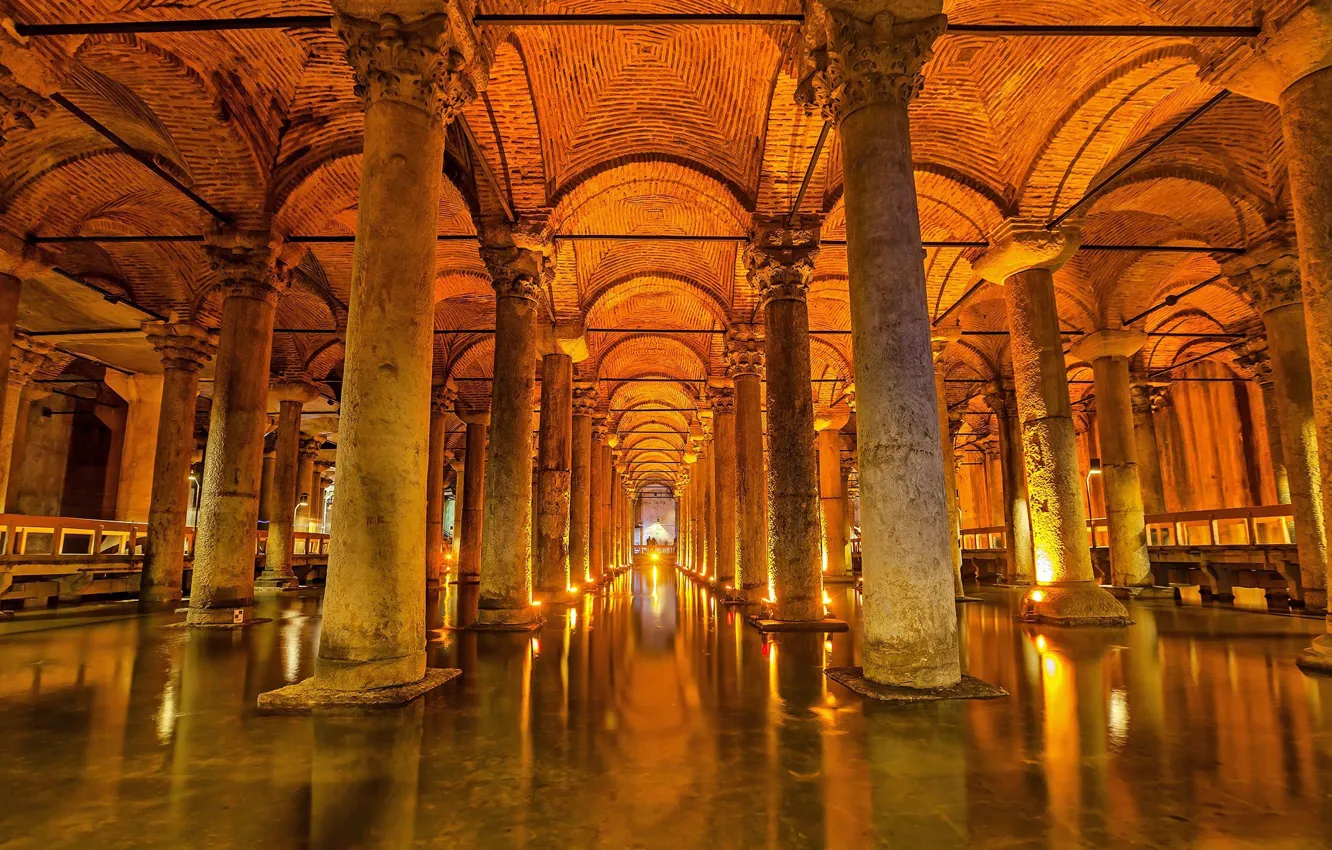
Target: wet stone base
(961,599)
(853,678)
(530,626)
(844,579)
(1141,592)
(307,696)
(827,624)
(185,624)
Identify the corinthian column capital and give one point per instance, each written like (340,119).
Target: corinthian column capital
(744,352)
(1021,245)
(584,398)
(516,257)
(246,262)
(1268,275)
(780,258)
(851,62)
(181,345)
(436,64)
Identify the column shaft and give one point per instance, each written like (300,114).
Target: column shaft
(473,502)
(831,502)
(604,505)
(11,289)
(1129,564)
(751,489)
(724,451)
(278,551)
(596,540)
(555,461)
(1149,452)
(434,523)
(950,481)
(580,501)
(1272,419)
(1017,515)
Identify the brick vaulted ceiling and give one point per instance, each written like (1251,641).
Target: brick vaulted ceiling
(664,129)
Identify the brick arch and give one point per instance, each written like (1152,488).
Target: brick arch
(636,353)
(674,300)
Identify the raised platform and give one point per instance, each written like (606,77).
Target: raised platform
(853,678)
(767,626)
(308,696)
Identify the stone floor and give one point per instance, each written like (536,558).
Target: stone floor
(653,718)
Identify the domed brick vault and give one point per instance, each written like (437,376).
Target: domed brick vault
(646,152)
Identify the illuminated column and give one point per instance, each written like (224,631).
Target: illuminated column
(222,583)
(442,398)
(706,515)
(721,398)
(305,480)
(459,466)
(27,357)
(938,344)
(291,397)
(11,289)
(583,403)
(266,485)
(143,393)
(184,348)
(317,495)
(1269,275)
(474,492)
(506,533)
(613,513)
(780,261)
(414,78)
(608,444)
(828,423)
(690,458)
(1023,257)
(1017,518)
(1145,398)
(551,574)
(596,545)
(1108,351)
(1255,364)
(744,363)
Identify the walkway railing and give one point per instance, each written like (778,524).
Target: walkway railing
(1263,525)
(43,557)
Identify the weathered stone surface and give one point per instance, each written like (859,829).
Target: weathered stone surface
(968,687)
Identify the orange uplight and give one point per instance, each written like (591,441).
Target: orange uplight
(536,603)
(1037,596)
(1041,643)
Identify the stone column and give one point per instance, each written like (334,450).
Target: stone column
(1145,398)
(721,398)
(744,363)
(780,261)
(473,494)
(184,348)
(848,514)
(994,479)
(506,533)
(222,584)
(1022,257)
(291,397)
(864,83)
(317,494)
(1256,365)
(828,423)
(414,77)
(27,356)
(706,515)
(596,545)
(442,398)
(307,450)
(266,486)
(604,502)
(949,453)
(1108,351)
(11,289)
(583,404)
(1269,275)
(135,489)
(553,576)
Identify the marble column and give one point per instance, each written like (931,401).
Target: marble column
(1017,511)
(744,363)
(604,501)
(707,547)
(515,266)
(583,404)
(949,453)
(27,356)
(414,78)
(780,261)
(317,495)
(553,576)
(266,486)
(134,490)
(596,540)
(474,492)
(1108,351)
(687,539)
(184,348)
(1022,256)
(442,397)
(11,290)
(306,451)
(848,514)
(1269,275)
(721,398)
(1256,364)
(872,72)
(222,583)
(1145,397)
(291,396)
(828,423)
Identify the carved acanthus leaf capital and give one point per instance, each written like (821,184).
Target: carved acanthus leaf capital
(780,259)
(584,398)
(26,359)
(181,345)
(246,263)
(443,397)
(744,352)
(1268,275)
(1255,362)
(851,62)
(309,448)
(436,64)
(1019,245)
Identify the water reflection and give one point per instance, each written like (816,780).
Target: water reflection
(651,716)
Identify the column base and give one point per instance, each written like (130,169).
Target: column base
(1315,600)
(1074,604)
(237,617)
(155,604)
(1147,592)
(839,578)
(961,599)
(853,678)
(1317,658)
(767,625)
(527,619)
(308,695)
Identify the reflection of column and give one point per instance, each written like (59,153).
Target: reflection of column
(1270,276)
(917,771)
(551,574)
(184,348)
(1144,398)
(441,402)
(222,583)
(780,261)
(135,489)
(597,518)
(583,403)
(291,397)
(744,363)
(506,532)
(873,72)
(722,400)
(949,453)
(1108,352)
(473,494)
(1022,258)
(828,424)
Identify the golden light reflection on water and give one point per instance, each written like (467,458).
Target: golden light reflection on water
(650,715)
